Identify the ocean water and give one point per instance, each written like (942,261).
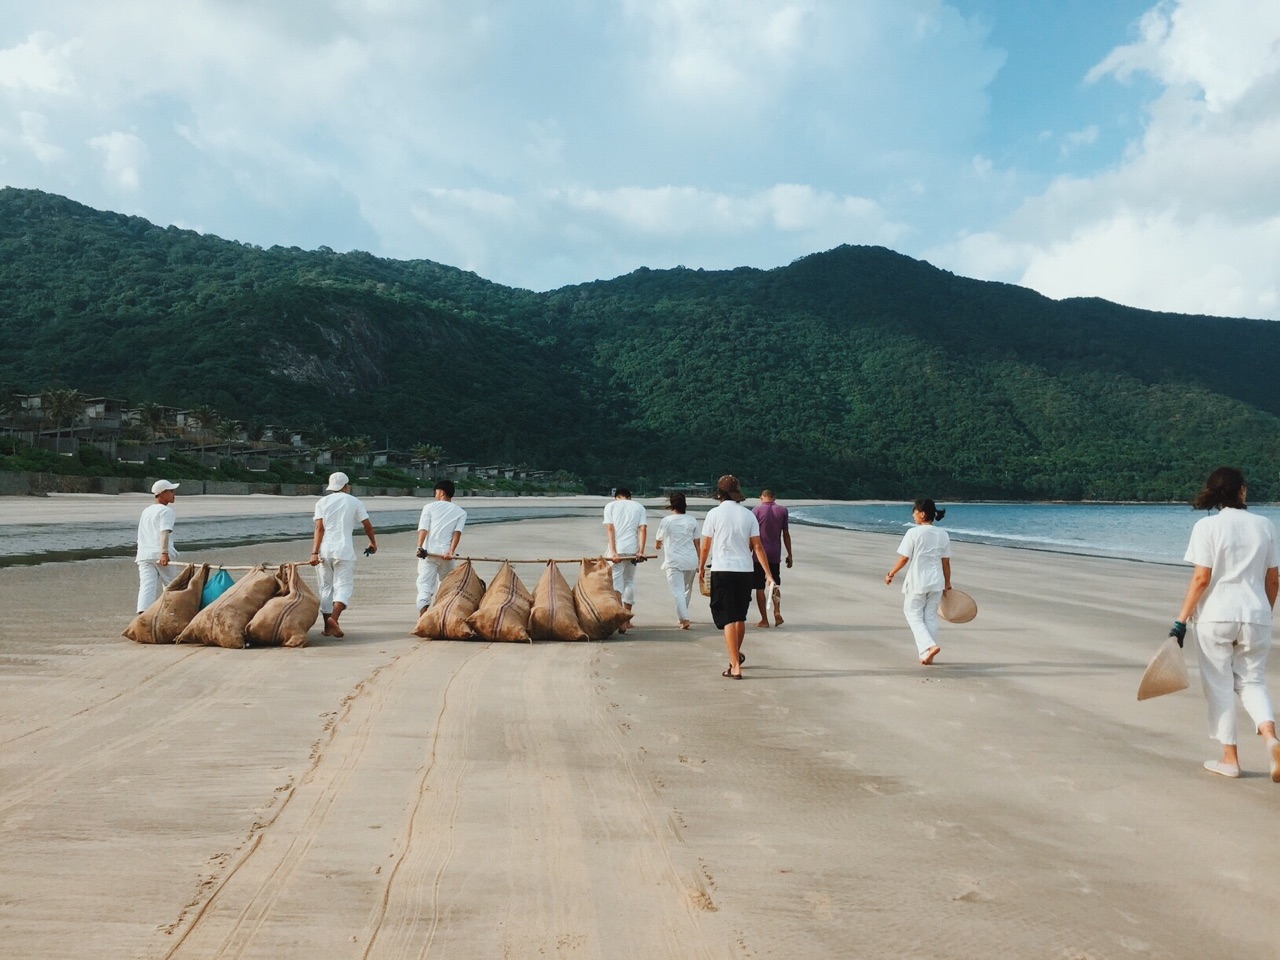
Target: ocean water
(1155,533)
(53,542)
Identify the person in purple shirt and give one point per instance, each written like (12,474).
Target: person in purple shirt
(774,533)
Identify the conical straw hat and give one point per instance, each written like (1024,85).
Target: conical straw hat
(1166,673)
(957,607)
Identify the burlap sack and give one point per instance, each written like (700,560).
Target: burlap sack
(599,608)
(503,613)
(173,610)
(285,619)
(222,624)
(553,616)
(458,597)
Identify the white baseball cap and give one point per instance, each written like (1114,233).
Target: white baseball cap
(338,480)
(160,486)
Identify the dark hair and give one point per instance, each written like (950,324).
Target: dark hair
(1224,488)
(447,486)
(929,509)
(678,502)
(728,488)
(622,492)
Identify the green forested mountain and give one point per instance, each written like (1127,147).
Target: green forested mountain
(855,372)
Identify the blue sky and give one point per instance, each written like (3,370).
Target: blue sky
(1115,148)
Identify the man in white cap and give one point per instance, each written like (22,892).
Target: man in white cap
(155,545)
(333,551)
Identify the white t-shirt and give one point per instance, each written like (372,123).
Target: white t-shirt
(677,533)
(925,546)
(730,527)
(1239,547)
(156,519)
(627,518)
(341,513)
(441,518)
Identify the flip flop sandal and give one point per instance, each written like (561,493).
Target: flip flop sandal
(731,675)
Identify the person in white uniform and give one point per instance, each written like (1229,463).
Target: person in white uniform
(678,541)
(730,538)
(928,551)
(1229,603)
(156,550)
(333,553)
(627,524)
(439,532)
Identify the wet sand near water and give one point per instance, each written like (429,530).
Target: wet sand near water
(382,796)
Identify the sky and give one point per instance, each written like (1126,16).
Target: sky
(1124,149)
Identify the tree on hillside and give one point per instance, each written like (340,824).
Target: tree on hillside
(429,453)
(151,417)
(205,419)
(61,406)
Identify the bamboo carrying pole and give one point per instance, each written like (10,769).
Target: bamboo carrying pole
(307,563)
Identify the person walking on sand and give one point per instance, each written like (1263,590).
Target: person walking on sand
(439,531)
(1229,603)
(332,551)
(928,551)
(678,541)
(156,550)
(774,532)
(627,524)
(730,537)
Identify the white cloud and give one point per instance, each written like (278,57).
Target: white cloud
(123,155)
(1188,221)
(37,65)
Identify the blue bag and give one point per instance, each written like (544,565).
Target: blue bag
(217,585)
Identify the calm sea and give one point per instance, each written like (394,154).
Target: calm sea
(1151,532)
(1155,533)
(52,542)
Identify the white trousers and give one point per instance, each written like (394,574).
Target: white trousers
(921,610)
(1233,660)
(624,580)
(152,579)
(431,571)
(336,581)
(681,584)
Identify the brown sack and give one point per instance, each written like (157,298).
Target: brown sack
(458,597)
(172,611)
(504,609)
(285,619)
(553,616)
(222,623)
(599,608)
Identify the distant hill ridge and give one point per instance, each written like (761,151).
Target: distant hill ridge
(858,372)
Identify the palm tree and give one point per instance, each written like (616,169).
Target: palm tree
(358,448)
(204,417)
(229,430)
(10,404)
(61,406)
(151,418)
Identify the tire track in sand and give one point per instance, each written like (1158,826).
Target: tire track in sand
(241,902)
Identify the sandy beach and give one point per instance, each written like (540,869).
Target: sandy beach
(386,797)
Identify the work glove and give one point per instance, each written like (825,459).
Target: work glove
(1178,631)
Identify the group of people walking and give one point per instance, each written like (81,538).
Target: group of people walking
(738,555)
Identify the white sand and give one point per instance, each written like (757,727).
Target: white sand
(386,797)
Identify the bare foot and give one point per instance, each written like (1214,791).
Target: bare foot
(778,621)
(328,627)
(763,623)
(684,624)
(929,655)
(335,630)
